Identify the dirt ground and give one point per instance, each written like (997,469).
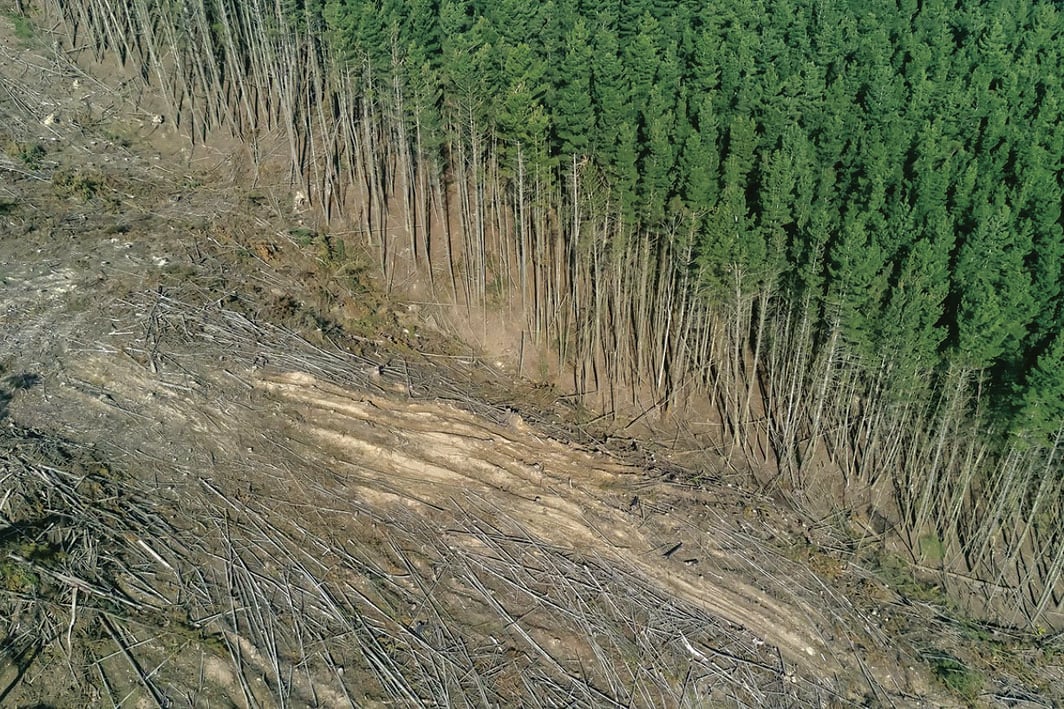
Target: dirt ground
(234,474)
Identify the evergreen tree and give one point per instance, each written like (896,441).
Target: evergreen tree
(993,289)
(521,119)
(912,335)
(574,116)
(699,159)
(615,130)
(857,288)
(656,170)
(1042,410)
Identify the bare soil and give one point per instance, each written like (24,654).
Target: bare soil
(235,474)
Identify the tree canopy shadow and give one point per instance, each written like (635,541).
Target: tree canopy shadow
(12,383)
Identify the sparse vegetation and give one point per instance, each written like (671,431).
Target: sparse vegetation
(29,154)
(25,32)
(899,575)
(80,184)
(955,675)
(32,156)
(303,236)
(15,577)
(931,549)
(118,138)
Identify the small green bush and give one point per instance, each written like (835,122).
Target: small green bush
(931,548)
(29,154)
(32,156)
(24,31)
(955,675)
(17,578)
(303,236)
(75,183)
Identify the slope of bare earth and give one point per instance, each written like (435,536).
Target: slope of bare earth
(235,476)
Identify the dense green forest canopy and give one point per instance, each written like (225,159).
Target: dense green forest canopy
(896,166)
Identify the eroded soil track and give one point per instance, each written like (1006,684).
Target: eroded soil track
(324,510)
(212,495)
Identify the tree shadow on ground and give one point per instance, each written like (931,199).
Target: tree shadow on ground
(12,383)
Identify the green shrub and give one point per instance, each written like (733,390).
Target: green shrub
(32,156)
(75,183)
(931,548)
(24,31)
(954,674)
